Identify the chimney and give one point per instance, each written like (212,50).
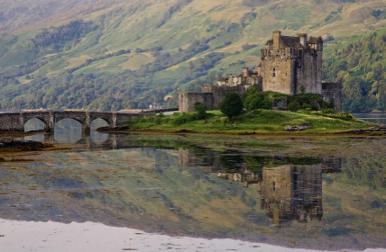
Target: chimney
(303,39)
(276,39)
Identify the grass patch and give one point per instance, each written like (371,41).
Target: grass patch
(254,122)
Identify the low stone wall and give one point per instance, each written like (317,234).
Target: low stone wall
(332,93)
(186,101)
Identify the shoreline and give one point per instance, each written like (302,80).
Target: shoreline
(79,236)
(351,133)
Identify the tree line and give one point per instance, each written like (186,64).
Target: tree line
(360,64)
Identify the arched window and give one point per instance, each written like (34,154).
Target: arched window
(274,72)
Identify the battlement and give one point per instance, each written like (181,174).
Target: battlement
(301,41)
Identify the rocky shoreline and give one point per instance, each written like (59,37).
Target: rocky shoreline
(379,130)
(16,145)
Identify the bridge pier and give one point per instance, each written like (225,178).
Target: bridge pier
(86,127)
(49,138)
(86,130)
(50,126)
(114,120)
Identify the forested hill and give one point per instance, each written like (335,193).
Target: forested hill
(118,54)
(360,63)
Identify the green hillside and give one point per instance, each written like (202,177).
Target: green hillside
(360,63)
(120,54)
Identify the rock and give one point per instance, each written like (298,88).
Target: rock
(21,145)
(296,128)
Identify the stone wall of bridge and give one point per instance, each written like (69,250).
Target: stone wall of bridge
(11,122)
(17,120)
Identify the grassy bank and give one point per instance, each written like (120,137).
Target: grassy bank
(256,122)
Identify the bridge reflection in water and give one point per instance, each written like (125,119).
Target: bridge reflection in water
(95,140)
(290,188)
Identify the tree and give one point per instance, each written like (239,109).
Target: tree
(200,110)
(231,105)
(255,99)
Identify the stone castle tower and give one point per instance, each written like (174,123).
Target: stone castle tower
(292,65)
(289,65)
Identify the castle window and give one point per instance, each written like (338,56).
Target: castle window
(274,72)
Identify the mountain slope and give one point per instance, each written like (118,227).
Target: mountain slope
(359,62)
(119,54)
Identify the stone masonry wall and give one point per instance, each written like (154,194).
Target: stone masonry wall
(332,93)
(277,72)
(11,122)
(309,74)
(186,101)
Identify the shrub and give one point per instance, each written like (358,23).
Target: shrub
(255,99)
(294,105)
(184,118)
(307,101)
(328,111)
(232,105)
(343,116)
(200,111)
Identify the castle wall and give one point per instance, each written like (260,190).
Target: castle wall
(319,64)
(332,93)
(186,101)
(277,71)
(292,65)
(220,92)
(310,72)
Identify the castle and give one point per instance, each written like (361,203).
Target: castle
(289,65)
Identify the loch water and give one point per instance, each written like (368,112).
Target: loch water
(177,193)
(372,117)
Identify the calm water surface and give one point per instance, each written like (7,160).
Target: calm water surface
(258,194)
(372,117)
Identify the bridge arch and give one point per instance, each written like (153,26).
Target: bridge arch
(68,130)
(78,116)
(96,122)
(59,120)
(44,125)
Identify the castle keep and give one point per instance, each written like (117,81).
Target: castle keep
(292,65)
(289,64)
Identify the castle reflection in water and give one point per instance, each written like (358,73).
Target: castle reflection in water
(290,188)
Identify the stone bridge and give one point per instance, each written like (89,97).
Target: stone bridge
(15,121)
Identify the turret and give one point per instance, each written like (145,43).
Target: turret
(303,39)
(276,39)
